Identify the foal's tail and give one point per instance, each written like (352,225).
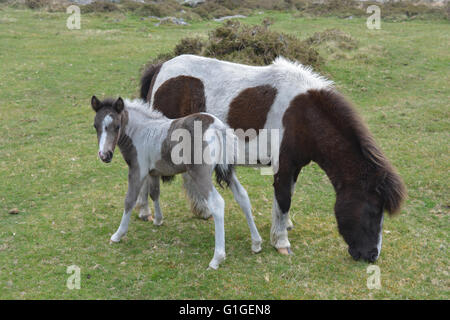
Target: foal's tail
(228,152)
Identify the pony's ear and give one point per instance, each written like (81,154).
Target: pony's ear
(95,103)
(119,105)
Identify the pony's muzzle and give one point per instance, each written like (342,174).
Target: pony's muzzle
(105,157)
(370,256)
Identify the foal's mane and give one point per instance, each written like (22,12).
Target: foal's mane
(340,111)
(143,108)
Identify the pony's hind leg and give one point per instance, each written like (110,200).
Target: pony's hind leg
(241,197)
(142,201)
(154,194)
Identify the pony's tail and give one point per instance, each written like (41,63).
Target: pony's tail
(146,79)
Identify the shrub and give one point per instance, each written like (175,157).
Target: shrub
(249,44)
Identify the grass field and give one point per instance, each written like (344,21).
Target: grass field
(70,203)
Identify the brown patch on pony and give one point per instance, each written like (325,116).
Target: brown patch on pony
(249,109)
(186,123)
(148,81)
(180,96)
(322,126)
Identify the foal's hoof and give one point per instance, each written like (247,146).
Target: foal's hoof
(157,223)
(114,239)
(256,247)
(285,251)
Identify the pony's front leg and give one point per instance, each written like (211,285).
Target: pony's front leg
(216,205)
(135,181)
(154,194)
(284,184)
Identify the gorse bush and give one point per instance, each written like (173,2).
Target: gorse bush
(249,44)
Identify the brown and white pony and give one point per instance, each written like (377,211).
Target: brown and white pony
(315,123)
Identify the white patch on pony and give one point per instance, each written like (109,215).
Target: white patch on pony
(380,237)
(106,122)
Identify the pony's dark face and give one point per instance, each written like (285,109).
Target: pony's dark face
(360,222)
(107,123)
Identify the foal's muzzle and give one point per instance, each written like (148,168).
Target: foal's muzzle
(105,157)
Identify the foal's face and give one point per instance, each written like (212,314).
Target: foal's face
(360,222)
(107,123)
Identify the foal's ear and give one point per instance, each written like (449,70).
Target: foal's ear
(95,103)
(119,105)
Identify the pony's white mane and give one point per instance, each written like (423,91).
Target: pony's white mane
(296,71)
(143,108)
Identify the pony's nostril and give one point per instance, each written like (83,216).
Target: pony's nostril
(354,253)
(373,255)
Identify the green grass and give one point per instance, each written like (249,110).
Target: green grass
(70,203)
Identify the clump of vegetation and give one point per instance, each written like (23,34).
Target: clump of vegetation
(49,5)
(155,8)
(407,11)
(398,10)
(189,46)
(340,8)
(100,6)
(249,44)
(338,38)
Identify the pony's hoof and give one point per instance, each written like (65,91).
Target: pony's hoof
(146,218)
(285,251)
(157,223)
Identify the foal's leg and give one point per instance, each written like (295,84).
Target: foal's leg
(198,206)
(142,201)
(154,194)
(241,197)
(135,182)
(216,205)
